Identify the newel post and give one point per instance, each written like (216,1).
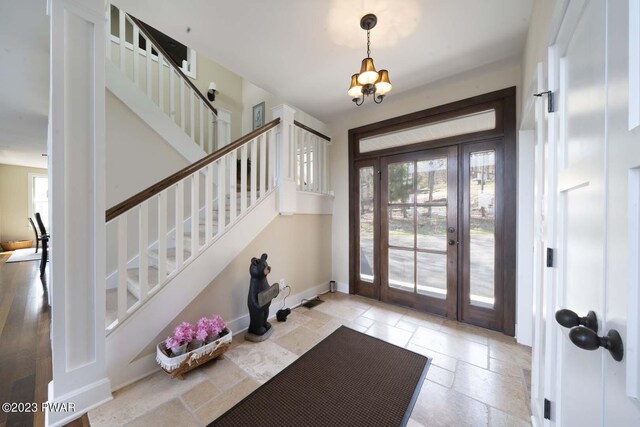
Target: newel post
(76,153)
(286,159)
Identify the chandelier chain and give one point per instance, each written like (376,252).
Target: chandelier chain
(368,44)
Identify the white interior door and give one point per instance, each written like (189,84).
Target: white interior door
(579,65)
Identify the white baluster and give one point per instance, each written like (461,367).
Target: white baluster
(243,179)
(149,64)
(233,198)
(122,267)
(143,230)
(325,169)
(208,204)
(192,114)
(221,195)
(201,108)
(210,119)
(179,238)
(162,237)
(122,36)
(136,55)
(316,165)
(300,157)
(263,164)
(160,83)
(172,93)
(271,152)
(183,121)
(107,29)
(195,213)
(307,161)
(254,166)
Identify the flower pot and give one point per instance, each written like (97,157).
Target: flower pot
(195,344)
(178,351)
(211,338)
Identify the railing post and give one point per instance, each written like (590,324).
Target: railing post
(285,156)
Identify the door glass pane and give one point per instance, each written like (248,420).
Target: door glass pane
(401,182)
(482,192)
(366,224)
(401,269)
(432,180)
(401,226)
(432,274)
(432,228)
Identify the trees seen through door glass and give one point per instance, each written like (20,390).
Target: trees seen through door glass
(366,223)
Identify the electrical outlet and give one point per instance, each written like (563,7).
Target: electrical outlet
(282,285)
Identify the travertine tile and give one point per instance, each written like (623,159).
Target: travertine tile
(406,326)
(504,367)
(294,320)
(364,321)
(423,319)
(319,316)
(299,341)
(467,332)
(453,346)
(440,376)
(389,334)
(439,406)
(224,373)
(340,310)
(414,423)
(261,360)
(142,396)
(442,360)
(497,418)
(172,413)
(382,314)
(200,395)
(510,352)
(225,401)
(503,392)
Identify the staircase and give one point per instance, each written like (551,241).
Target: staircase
(169,241)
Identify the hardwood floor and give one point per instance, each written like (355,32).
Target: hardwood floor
(25,347)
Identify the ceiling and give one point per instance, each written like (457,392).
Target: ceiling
(302,51)
(305,51)
(24,77)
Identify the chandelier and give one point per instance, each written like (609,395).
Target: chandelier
(369,81)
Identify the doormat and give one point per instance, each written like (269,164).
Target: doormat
(349,379)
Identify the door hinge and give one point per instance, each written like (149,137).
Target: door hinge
(551,105)
(547,409)
(549,257)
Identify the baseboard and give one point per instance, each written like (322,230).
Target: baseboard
(342,287)
(82,400)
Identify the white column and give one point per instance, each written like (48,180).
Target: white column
(223,128)
(285,155)
(76,150)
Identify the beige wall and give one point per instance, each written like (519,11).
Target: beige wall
(537,41)
(14,202)
(475,82)
(229,92)
(253,95)
(299,249)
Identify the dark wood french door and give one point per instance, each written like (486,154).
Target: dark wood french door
(432,228)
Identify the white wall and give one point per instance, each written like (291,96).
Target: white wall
(14,202)
(475,82)
(137,156)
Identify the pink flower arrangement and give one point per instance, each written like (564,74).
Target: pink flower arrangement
(210,327)
(182,335)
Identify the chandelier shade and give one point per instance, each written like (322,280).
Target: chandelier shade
(369,81)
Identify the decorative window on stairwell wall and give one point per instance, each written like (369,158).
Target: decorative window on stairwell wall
(182,55)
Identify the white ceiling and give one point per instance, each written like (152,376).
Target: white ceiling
(305,51)
(24,82)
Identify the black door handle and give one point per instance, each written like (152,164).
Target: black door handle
(451,242)
(569,319)
(587,339)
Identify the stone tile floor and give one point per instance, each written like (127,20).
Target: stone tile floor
(477,377)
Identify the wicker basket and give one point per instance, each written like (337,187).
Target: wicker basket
(177,366)
(20,244)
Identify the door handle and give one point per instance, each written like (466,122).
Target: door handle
(451,242)
(587,339)
(569,319)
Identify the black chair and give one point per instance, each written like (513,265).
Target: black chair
(44,238)
(35,231)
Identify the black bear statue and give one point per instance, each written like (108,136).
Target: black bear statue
(259,300)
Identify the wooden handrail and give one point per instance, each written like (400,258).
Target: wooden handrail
(164,53)
(313,131)
(156,188)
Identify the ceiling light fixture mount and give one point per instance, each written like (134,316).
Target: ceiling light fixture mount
(369,81)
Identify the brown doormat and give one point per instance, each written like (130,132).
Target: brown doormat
(348,379)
